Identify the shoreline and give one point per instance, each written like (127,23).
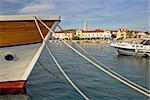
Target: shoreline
(85,41)
(91,41)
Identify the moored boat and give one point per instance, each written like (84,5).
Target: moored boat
(20,48)
(139,49)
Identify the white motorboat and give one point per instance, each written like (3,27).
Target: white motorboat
(141,48)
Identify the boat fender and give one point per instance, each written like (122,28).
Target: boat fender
(9,56)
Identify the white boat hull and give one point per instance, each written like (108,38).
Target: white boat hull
(126,52)
(20,47)
(15,70)
(131,49)
(131,53)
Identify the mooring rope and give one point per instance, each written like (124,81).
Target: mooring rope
(146,90)
(86,58)
(47,69)
(58,65)
(119,79)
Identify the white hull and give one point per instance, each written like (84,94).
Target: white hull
(19,55)
(131,49)
(126,52)
(25,58)
(14,70)
(131,53)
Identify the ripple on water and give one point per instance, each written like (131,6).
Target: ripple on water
(92,81)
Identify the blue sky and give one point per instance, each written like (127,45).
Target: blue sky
(99,14)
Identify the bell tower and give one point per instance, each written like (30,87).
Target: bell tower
(85,26)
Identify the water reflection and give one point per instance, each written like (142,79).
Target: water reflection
(142,62)
(15,97)
(19,96)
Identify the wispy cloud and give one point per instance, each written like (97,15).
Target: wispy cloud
(10,1)
(36,8)
(98,13)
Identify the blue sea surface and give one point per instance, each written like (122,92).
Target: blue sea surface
(96,84)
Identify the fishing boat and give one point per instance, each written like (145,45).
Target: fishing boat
(141,48)
(20,48)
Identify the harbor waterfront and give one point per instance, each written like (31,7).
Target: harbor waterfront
(97,85)
(74,50)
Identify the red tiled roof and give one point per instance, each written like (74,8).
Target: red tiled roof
(90,31)
(67,31)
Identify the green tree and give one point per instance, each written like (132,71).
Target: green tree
(129,33)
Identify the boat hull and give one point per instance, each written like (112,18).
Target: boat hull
(13,74)
(126,52)
(12,87)
(131,52)
(129,49)
(20,47)
(15,69)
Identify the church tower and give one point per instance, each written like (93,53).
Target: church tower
(85,26)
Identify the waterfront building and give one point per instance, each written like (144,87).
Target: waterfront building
(121,34)
(66,34)
(125,33)
(94,34)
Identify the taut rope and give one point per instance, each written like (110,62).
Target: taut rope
(58,65)
(133,86)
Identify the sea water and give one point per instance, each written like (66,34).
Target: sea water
(93,82)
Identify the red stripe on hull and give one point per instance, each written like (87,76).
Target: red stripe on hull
(12,84)
(12,87)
